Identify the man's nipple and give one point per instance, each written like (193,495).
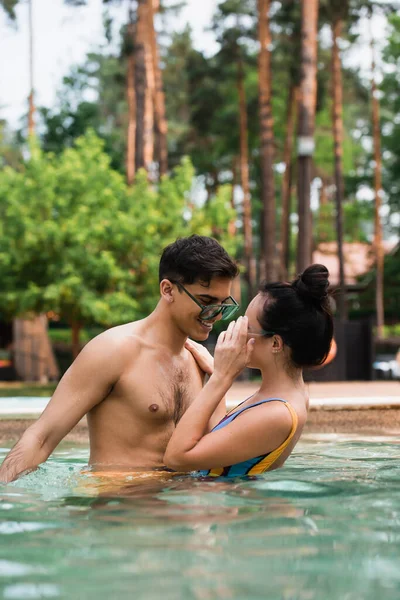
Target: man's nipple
(153,407)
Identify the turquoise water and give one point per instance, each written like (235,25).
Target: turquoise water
(326,526)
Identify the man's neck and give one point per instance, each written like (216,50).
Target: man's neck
(161,330)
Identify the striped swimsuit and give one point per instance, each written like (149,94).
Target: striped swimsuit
(259,464)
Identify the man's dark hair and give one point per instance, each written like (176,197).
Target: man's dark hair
(196,258)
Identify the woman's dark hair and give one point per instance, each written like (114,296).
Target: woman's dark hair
(196,258)
(300,313)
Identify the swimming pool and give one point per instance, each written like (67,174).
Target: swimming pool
(327,526)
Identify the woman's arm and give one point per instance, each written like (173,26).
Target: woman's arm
(232,354)
(256,432)
(205,361)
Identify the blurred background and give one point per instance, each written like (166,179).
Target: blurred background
(273,126)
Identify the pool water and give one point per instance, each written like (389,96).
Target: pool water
(326,526)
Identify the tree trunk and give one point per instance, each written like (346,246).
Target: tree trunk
(323,196)
(159,97)
(307,104)
(31,112)
(75,334)
(131,100)
(143,90)
(33,355)
(150,90)
(267,141)
(287,180)
(244,177)
(337,126)
(232,223)
(379,253)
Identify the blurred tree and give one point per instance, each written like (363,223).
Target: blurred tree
(367,299)
(233,25)
(357,216)
(267,142)
(341,14)
(146,114)
(94,257)
(92,95)
(9,7)
(128,50)
(337,14)
(202,106)
(390,119)
(31,97)
(161,123)
(307,109)
(10,151)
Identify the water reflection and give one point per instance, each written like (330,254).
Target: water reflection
(327,525)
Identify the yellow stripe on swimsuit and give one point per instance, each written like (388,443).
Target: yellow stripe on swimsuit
(259,464)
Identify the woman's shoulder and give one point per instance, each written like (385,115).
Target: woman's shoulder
(271,416)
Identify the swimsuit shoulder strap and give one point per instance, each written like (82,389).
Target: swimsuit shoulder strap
(233,415)
(239,412)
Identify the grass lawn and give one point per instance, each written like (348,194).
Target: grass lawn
(8,389)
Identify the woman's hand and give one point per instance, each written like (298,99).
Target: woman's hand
(202,356)
(233,351)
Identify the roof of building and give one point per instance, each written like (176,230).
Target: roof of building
(358,259)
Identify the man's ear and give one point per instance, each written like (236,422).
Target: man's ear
(167,290)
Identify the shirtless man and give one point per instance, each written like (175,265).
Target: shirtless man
(135,381)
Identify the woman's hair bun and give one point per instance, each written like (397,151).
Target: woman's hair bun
(313,283)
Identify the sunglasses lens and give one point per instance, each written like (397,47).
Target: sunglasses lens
(210,312)
(228,311)
(225,310)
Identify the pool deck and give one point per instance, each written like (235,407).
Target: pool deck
(368,408)
(341,395)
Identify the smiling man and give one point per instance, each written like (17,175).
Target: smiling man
(135,381)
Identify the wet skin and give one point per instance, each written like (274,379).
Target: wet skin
(134,382)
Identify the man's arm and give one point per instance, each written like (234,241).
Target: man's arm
(86,383)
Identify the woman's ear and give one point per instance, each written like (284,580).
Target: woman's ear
(277,344)
(167,290)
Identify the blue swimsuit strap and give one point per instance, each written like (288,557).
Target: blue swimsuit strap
(230,417)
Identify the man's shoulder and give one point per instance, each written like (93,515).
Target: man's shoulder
(117,342)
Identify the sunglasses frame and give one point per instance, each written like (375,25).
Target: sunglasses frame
(219,308)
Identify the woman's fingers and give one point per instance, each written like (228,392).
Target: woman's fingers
(230,330)
(221,337)
(236,332)
(240,331)
(201,356)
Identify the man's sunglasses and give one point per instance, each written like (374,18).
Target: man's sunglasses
(210,311)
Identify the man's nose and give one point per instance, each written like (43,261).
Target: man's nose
(218,317)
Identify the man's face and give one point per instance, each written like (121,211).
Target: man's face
(187,313)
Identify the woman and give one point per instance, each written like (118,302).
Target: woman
(287,326)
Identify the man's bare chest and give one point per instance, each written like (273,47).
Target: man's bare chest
(160,391)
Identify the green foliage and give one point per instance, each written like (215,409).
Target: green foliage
(92,96)
(63,335)
(391,288)
(357,216)
(22,390)
(76,240)
(10,153)
(9,7)
(390,116)
(203,114)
